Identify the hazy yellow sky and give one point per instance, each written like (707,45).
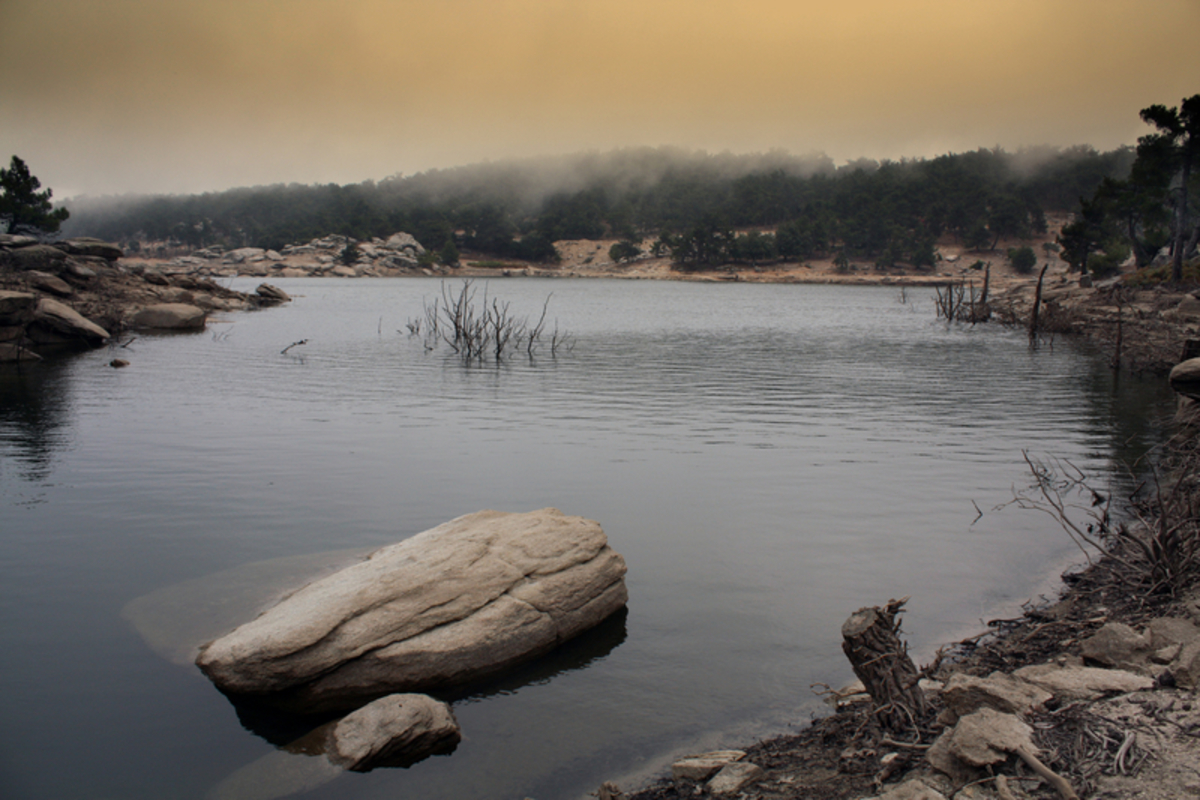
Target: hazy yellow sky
(111,96)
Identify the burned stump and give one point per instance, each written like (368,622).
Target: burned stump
(871,640)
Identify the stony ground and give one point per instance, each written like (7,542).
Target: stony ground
(1135,746)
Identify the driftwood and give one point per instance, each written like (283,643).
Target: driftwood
(871,640)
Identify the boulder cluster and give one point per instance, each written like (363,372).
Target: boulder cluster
(79,292)
(329,256)
(443,609)
(987,720)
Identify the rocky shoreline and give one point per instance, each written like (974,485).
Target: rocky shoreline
(78,294)
(1093,695)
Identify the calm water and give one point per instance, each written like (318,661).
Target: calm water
(766,458)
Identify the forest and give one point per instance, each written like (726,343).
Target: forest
(702,209)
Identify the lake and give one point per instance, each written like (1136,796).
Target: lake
(767,458)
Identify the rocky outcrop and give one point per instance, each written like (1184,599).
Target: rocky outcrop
(37,257)
(170,316)
(76,293)
(86,246)
(398,254)
(271,295)
(57,323)
(448,606)
(17,308)
(50,283)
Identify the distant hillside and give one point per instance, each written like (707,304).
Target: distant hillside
(692,201)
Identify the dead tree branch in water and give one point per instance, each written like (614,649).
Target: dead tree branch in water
(959,302)
(1037,307)
(490,331)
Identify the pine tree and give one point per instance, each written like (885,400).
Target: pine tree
(22,207)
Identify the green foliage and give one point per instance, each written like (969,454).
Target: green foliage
(707,244)
(1023,259)
(978,237)
(1083,236)
(1150,207)
(448,255)
(801,238)
(623,250)
(349,255)
(753,248)
(925,255)
(1178,138)
(23,208)
(1108,263)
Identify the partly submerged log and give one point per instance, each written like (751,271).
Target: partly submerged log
(871,640)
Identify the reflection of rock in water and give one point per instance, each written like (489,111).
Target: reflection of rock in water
(302,762)
(283,728)
(175,620)
(34,417)
(394,731)
(578,653)
(277,774)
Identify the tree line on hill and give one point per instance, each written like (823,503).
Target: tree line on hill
(892,212)
(1129,201)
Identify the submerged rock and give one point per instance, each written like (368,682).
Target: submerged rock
(170,316)
(394,731)
(453,604)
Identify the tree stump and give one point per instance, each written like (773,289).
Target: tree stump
(871,640)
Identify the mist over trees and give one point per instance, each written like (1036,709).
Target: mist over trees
(691,203)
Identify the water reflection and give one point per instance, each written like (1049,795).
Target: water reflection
(34,417)
(283,728)
(300,763)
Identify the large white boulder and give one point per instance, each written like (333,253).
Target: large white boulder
(445,607)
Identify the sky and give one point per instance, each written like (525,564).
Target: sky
(181,96)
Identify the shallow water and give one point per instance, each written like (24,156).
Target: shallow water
(766,458)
